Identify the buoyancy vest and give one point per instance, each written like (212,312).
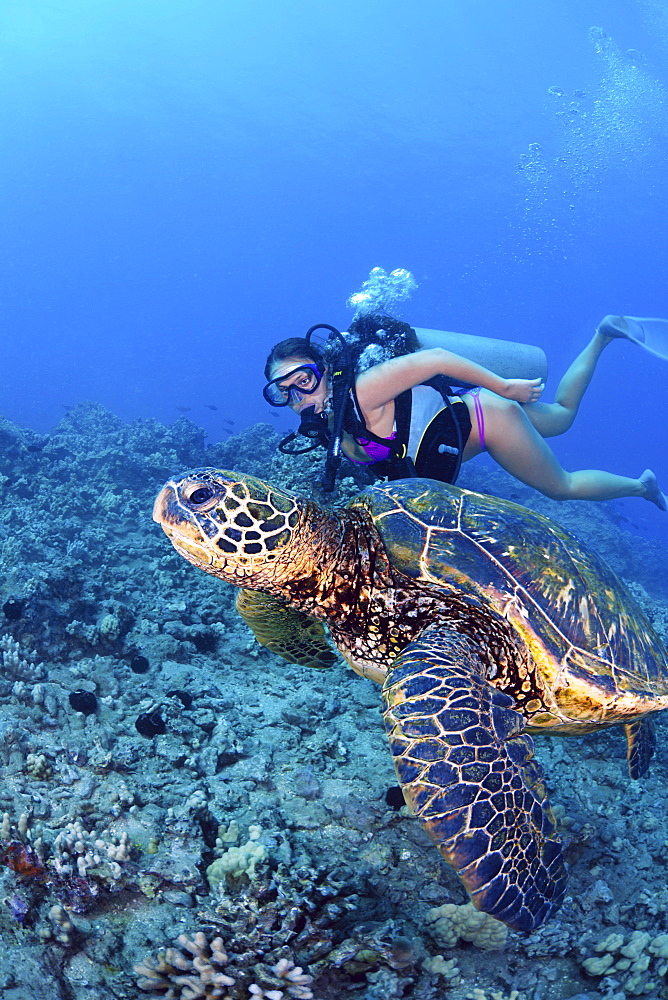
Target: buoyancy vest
(431,447)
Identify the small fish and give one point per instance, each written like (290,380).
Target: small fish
(210,406)
(229,422)
(273,413)
(184,409)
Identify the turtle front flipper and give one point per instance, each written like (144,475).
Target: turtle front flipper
(468,776)
(640,746)
(295,636)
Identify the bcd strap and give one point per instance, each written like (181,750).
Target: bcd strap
(459,418)
(399,464)
(397,446)
(437,458)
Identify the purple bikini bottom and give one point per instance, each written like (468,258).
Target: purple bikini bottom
(479,414)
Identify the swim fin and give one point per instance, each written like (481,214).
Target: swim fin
(652,334)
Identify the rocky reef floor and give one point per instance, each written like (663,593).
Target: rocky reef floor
(176,798)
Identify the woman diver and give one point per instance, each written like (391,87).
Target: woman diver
(503,416)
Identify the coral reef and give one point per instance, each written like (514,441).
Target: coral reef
(108,832)
(632,964)
(448,923)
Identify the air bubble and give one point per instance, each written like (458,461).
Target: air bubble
(381,292)
(600,39)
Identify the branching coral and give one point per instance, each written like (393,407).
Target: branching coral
(276,934)
(16,663)
(81,863)
(294,909)
(198,969)
(290,977)
(194,969)
(80,849)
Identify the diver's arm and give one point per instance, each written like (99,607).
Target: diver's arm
(377,386)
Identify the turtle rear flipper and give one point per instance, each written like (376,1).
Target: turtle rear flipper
(467,773)
(296,637)
(640,745)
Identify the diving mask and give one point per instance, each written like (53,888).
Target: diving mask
(293,385)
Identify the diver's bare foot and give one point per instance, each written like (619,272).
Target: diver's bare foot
(652,491)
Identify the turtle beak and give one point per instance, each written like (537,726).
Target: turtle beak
(166,510)
(182,529)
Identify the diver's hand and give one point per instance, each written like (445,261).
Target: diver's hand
(523,390)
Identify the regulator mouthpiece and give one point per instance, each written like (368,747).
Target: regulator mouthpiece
(312,424)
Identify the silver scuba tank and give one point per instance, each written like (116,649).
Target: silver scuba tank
(503,357)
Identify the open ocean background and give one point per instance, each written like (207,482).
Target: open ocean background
(184,183)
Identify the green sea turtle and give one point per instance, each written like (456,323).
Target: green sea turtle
(483,621)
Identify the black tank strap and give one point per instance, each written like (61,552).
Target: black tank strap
(356,427)
(403,409)
(441,384)
(437,456)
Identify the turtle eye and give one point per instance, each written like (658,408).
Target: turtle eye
(201,495)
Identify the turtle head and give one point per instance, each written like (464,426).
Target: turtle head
(230,525)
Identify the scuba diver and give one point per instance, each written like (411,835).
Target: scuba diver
(400,417)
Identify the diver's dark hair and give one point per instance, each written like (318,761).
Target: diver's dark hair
(372,338)
(377,337)
(294,347)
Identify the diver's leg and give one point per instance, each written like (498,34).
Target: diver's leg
(551,419)
(514,443)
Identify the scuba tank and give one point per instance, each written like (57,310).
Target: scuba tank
(381,294)
(503,357)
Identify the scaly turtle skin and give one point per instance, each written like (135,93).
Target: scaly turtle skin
(483,621)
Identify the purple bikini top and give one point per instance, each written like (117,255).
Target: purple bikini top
(377,452)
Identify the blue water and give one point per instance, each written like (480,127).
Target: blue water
(184,182)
